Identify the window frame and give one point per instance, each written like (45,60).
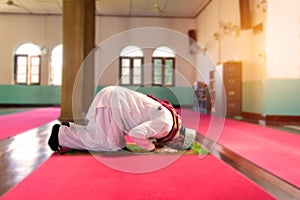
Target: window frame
(163,74)
(31,71)
(16,67)
(131,67)
(28,73)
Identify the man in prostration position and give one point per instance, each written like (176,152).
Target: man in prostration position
(116,111)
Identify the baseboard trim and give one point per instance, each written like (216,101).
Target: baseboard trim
(271,119)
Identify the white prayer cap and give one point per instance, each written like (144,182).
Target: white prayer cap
(189,138)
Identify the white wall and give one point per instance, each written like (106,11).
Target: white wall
(44,31)
(146,33)
(283,39)
(272,53)
(207,26)
(245,46)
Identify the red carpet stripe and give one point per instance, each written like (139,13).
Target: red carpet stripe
(275,151)
(13,124)
(84,177)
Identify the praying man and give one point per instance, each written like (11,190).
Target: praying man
(115,112)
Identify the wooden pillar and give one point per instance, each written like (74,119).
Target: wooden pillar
(78,42)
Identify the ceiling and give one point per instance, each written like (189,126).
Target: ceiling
(138,8)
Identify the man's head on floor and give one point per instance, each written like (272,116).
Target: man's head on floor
(184,139)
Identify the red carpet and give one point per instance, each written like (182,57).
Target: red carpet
(275,151)
(16,123)
(83,177)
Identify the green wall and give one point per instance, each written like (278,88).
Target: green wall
(282,97)
(50,95)
(29,95)
(253,96)
(272,97)
(183,96)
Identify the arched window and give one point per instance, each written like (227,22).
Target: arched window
(56,65)
(27,65)
(131,66)
(163,60)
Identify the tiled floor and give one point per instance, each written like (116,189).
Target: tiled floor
(21,154)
